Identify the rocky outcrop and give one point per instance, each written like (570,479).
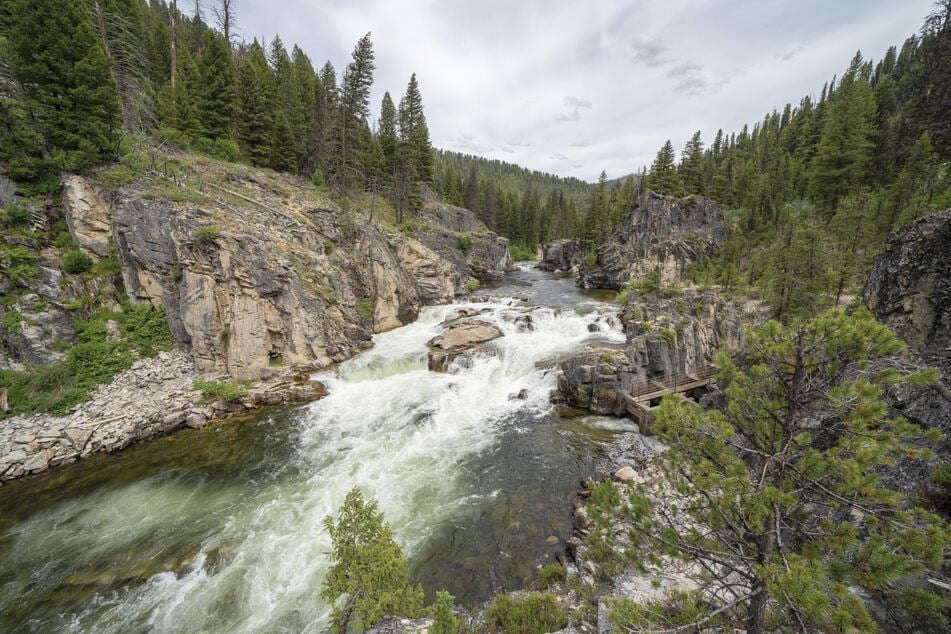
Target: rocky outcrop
(458,236)
(660,233)
(666,337)
(87,214)
(461,340)
(253,289)
(561,256)
(909,286)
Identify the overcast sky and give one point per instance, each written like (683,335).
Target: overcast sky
(573,87)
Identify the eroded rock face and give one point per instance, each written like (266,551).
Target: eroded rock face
(909,286)
(251,290)
(665,337)
(661,232)
(87,213)
(561,256)
(441,226)
(461,338)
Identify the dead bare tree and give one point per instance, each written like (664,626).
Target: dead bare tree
(225,16)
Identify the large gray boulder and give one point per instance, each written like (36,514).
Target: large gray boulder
(909,286)
(461,339)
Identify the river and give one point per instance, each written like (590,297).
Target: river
(221,529)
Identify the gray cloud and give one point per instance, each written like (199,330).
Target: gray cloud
(684,68)
(650,53)
(558,156)
(577,102)
(581,143)
(574,105)
(792,53)
(693,85)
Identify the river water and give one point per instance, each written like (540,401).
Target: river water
(221,529)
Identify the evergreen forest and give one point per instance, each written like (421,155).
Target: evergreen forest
(812,189)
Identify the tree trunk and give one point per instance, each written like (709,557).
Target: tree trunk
(756,612)
(173,12)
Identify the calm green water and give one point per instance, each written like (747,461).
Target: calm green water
(220,529)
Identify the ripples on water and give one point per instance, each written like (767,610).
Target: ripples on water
(221,528)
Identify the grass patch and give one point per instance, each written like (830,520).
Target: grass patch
(227,391)
(531,614)
(15,216)
(91,361)
(207,234)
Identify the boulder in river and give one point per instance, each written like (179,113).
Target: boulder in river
(461,338)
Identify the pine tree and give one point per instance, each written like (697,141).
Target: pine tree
(60,62)
(845,150)
(369,568)
(414,132)
(911,194)
(387,132)
(779,492)
(214,94)
(663,177)
(254,121)
(353,110)
(691,165)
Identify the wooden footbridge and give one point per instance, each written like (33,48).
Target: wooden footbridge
(638,400)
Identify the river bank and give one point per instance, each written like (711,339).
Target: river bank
(156,396)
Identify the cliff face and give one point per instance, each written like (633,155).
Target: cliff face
(666,337)
(909,286)
(258,273)
(561,256)
(663,233)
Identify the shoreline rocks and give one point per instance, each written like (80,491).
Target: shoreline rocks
(153,398)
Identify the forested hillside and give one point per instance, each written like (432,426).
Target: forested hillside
(76,77)
(527,206)
(817,187)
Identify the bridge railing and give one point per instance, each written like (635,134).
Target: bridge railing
(671,382)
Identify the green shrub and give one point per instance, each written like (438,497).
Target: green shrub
(366,307)
(64,240)
(106,266)
(11,322)
(677,610)
(472,285)
(521,252)
(90,361)
(220,390)
(464,243)
(145,329)
(534,613)
(207,234)
(444,621)
(318,179)
(43,186)
(14,215)
(551,575)
(76,262)
(115,176)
